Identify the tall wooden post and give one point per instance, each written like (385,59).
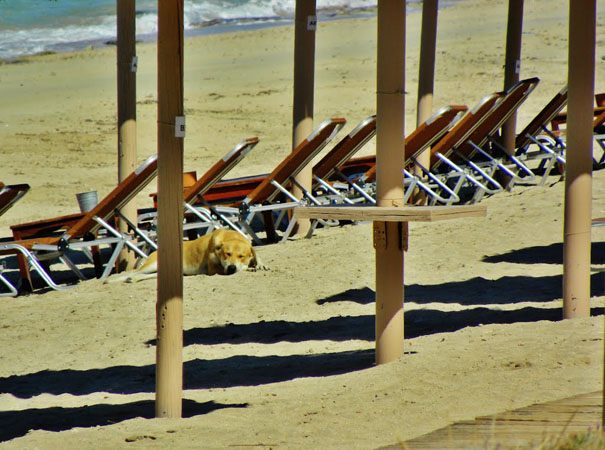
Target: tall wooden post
(426,80)
(578,168)
(390,138)
(304,86)
(169,307)
(512,66)
(426,72)
(127,119)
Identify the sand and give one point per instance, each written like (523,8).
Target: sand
(284,358)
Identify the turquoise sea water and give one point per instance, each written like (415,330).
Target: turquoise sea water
(34,26)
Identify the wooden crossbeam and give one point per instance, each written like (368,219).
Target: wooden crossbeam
(390,214)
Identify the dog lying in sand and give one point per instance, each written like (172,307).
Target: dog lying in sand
(223,251)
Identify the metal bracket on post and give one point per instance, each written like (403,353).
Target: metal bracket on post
(403,235)
(380,235)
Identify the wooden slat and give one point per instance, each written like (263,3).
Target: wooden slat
(390,214)
(518,428)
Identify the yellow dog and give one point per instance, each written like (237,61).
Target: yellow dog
(223,251)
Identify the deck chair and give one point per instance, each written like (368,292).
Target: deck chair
(483,151)
(550,144)
(199,213)
(419,140)
(271,195)
(359,174)
(537,134)
(442,171)
(329,181)
(10,194)
(470,154)
(90,231)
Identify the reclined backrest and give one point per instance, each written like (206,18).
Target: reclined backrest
(430,131)
(462,129)
(498,115)
(426,134)
(116,199)
(219,170)
(541,119)
(345,148)
(10,194)
(295,161)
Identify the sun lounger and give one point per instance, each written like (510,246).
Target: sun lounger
(10,194)
(327,170)
(469,158)
(418,141)
(537,133)
(83,232)
(358,175)
(446,171)
(199,213)
(271,195)
(548,147)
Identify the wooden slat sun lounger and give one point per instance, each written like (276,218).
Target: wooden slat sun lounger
(78,235)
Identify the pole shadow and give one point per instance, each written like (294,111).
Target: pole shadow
(479,291)
(247,370)
(17,423)
(240,370)
(545,254)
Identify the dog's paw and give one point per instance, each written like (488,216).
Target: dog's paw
(257,268)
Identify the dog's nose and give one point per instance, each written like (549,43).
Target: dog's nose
(231,269)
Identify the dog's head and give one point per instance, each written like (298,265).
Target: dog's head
(232,252)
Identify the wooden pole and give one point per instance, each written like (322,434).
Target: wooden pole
(127,119)
(426,72)
(305,24)
(578,168)
(390,138)
(512,66)
(426,79)
(169,307)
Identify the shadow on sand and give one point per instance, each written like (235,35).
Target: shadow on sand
(545,254)
(17,423)
(247,370)
(478,291)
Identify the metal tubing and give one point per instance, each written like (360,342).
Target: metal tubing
(578,170)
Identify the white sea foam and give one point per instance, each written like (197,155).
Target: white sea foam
(61,25)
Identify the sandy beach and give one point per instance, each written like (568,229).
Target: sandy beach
(284,358)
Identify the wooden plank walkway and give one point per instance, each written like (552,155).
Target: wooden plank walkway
(520,428)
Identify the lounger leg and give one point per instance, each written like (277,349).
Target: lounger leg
(13,292)
(112,260)
(65,260)
(26,278)
(270,226)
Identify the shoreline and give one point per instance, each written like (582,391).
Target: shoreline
(325,15)
(205,29)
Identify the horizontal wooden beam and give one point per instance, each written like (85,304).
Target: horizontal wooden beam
(390,213)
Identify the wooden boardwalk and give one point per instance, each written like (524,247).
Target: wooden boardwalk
(517,429)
